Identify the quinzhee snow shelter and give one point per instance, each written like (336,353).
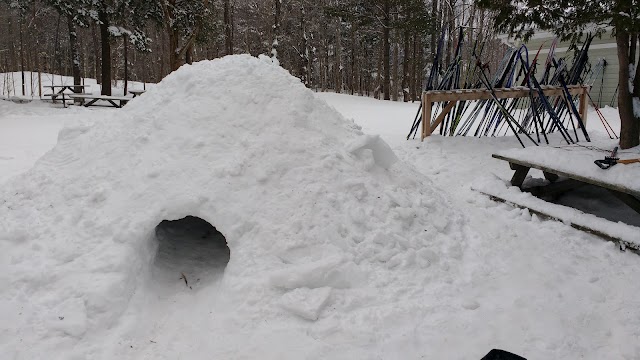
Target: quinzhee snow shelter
(309,212)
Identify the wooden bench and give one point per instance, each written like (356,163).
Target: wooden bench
(53,96)
(115,101)
(64,96)
(565,168)
(573,179)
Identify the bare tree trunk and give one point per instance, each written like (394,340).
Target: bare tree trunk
(450,31)
(379,80)
(325,71)
(188,55)
(632,48)
(106,52)
(21,25)
(405,67)
(352,73)
(96,54)
(12,55)
(395,66)
(309,60)
(481,30)
(434,39)
(629,124)
(75,53)
(420,67)
(174,42)
(338,56)
(468,59)
(228,33)
(305,69)
(126,64)
(276,29)
(386,27)
(415,82)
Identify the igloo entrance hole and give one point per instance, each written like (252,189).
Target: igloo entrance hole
(190,250)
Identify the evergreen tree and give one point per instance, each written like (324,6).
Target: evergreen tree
(186,22)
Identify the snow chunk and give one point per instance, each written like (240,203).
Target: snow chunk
(306,303)
(334,271)
(383,156)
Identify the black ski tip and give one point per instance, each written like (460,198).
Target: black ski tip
(497,354)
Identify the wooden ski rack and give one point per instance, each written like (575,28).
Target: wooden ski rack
(453,96)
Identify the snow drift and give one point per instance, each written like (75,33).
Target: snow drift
(319,218)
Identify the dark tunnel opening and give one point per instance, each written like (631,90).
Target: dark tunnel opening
(190,251)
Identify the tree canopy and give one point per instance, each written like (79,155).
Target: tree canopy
(567,18)
(570,19)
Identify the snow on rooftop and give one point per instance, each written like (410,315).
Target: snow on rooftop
(309,206)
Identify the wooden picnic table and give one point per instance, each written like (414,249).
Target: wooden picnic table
(619,180)
(65,87)
(115,101)
(60,93)
(137,92)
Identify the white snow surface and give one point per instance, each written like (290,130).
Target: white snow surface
(304,199)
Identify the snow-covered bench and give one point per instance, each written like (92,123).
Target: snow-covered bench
(115,101)
(576,163)
(566,168)
(60,93)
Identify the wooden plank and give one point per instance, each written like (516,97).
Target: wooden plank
(440,117)
(426,116)
(433,96)
(583,110)
(582,227)
(578,177)
(519,175)
(91,102)
(99,97)
(110,100)
(502,93)
(64,86)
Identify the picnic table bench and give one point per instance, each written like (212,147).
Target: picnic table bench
(573,168)
(61,92)
(566,168)
(115,101)
(137,92)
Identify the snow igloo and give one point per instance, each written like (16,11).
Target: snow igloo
(309,210)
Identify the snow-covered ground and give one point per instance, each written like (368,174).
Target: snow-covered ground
(537,288)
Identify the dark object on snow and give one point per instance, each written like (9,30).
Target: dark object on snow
(611,160)
(497,354)
(608,161)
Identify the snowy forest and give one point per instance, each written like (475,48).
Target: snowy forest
(378,48)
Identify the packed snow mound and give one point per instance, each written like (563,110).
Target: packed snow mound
(312,209)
